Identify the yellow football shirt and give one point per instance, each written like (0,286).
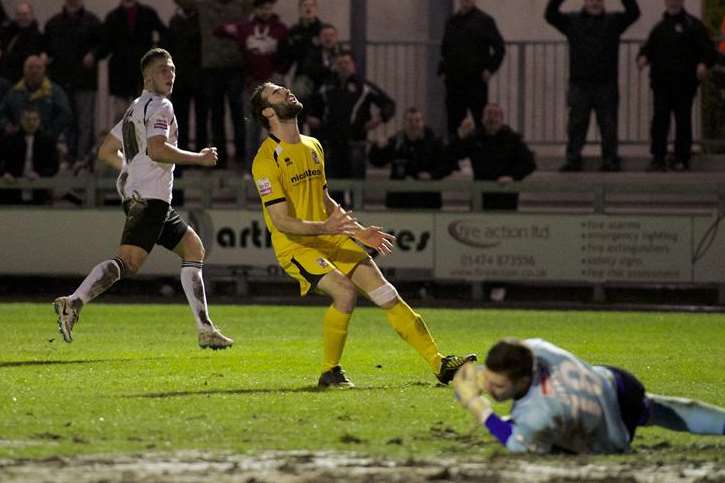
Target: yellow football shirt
(292,173)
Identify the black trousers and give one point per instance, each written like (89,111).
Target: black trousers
(603,99)
(182,99)
(672,97)
(221,84)
(462,96)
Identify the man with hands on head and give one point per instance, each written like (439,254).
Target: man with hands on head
(314,239)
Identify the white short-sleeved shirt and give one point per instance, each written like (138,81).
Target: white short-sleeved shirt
(149,115)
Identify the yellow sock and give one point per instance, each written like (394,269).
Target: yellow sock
(334,333)
(411,328)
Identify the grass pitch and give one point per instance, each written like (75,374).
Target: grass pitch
(134,381)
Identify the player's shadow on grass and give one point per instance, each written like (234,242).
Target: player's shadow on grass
(5,364)
(209,392)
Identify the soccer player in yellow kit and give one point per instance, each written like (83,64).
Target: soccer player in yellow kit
(316,241)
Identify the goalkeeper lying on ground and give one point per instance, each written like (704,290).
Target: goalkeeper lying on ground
(562,403)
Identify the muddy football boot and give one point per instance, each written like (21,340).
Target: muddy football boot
(451,364)
(214,340)
(67,317)
(335,377)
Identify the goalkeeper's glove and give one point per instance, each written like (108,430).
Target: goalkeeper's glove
(468,386)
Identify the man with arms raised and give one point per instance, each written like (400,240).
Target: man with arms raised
(315,239)
(143,146)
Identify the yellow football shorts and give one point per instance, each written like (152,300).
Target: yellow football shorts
(308,264)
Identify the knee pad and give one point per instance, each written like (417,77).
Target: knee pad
(383,294)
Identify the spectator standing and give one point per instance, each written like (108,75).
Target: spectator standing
(19,39)
(129,31)
(28,153)
(304,35)
(72,35)
(317,66)
(593,36)
(497,153)
(342,111)
(35,89)
(416,153)
(303,40)
(471,52)
(222,70)
(185,47)
(679,51)
(263,41)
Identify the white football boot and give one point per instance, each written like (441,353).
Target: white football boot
(67,317)
(213,339)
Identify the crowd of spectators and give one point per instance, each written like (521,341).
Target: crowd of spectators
(223,49)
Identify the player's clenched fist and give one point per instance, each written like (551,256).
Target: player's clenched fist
(208,157)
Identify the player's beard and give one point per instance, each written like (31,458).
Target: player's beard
(288,110)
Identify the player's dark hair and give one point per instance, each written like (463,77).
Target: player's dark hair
(345,53)
(325,26)
(30,108)
(152,55)
(259,104)
(512,358)
(412,110)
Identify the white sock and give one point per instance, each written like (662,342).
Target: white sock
(193,284)
(100,279)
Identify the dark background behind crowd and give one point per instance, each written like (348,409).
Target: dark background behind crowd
(224,48)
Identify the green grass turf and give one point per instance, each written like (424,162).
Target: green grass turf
(134,380)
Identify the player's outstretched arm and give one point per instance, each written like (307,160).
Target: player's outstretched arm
(371,236)
(110,152)
(162,152)
(338,223)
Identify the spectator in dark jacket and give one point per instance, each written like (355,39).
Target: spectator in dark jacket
(46,96)
(497,153)
(414,152)
(471,52)
(341,110)
(317,66)
(129,31)
(222,70)
(593,36)
(185,47)
(28,153)
(304,34)
(72,35)
(679,51)
(19,40)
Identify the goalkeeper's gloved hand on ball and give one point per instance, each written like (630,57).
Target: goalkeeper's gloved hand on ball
(468,386)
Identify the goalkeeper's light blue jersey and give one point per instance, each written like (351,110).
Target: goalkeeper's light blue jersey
(570,405)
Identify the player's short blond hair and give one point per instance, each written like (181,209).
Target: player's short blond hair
(152,55)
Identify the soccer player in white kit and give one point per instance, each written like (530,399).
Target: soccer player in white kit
(143,146)
(561,403)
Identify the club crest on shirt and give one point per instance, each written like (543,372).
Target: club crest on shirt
(264,186)
(322,262)
(288,161)
(315,158)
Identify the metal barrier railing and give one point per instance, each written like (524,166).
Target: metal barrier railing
(208,189)
(531,86)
